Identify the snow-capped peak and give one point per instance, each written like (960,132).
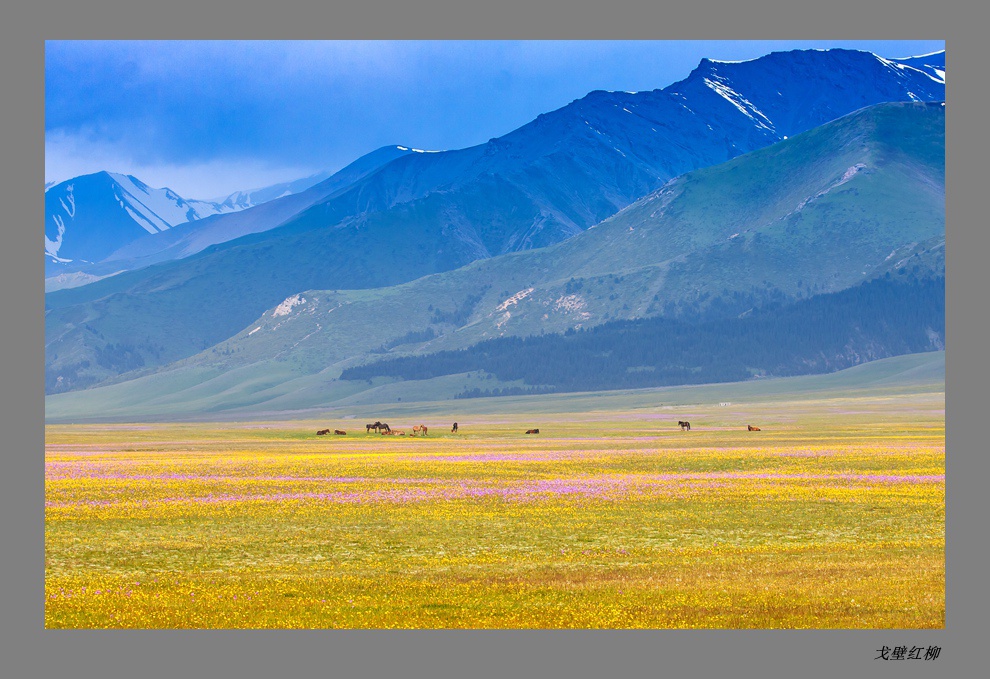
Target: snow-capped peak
(922,56)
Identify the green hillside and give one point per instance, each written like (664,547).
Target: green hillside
(901,376)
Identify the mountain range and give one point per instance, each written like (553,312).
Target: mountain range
(810,213)
(108,222)
(855,200)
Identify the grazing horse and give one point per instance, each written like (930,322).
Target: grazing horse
(752,428)
(685,426)
(532,431)
(419,428)
(453,430)
(384,428)
(339,432)
(323,432)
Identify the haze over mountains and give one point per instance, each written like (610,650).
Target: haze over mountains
(820,212)
(182,243)
(111,229)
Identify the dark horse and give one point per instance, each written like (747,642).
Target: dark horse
(339,432)
(376,426)
(532,431)
(323,432)
(384,428)
(684,425)
(453,430)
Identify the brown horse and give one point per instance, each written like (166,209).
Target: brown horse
(323,432)
(685,426)
(339,432)
(419,428)
(752,428)
(532,431)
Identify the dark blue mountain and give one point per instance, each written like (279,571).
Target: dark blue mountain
(575,166)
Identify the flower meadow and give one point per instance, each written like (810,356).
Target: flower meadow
(832,516)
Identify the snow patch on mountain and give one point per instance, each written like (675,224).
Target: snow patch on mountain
(932,64)
(150,222)
(162,208)
(52,246)
(70,209)
(740,102)
(929,72)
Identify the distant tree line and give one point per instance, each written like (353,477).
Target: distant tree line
(504,391)
(413,336)
(462,313)
(878,319)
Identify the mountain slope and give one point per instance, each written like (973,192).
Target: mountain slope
(877,319)
(820,212)
(848,202)
(431,212)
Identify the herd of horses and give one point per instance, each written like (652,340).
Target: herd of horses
(383,429)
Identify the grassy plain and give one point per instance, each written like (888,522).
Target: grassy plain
(832,516)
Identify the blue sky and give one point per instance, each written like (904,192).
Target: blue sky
(209,118)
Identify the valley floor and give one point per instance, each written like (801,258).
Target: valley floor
(831,516)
